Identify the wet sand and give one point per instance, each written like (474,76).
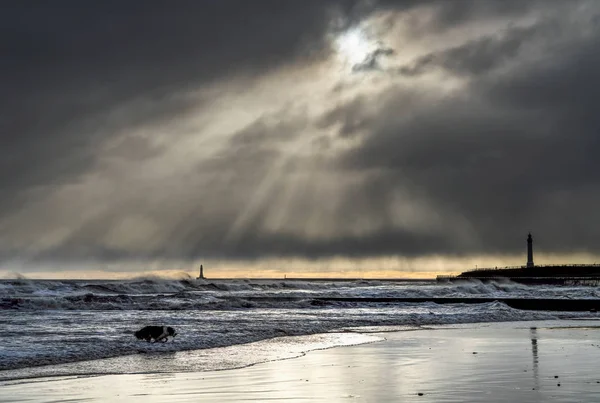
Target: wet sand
(555,361)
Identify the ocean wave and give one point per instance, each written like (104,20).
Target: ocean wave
(55,337)
(160,294)
(147,285)
(70,321)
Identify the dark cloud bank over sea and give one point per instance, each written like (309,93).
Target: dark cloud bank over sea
(98,98)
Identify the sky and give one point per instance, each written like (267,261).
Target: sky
(309,137)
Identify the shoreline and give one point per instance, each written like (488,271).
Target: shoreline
(195,360)
(335,338)
(509,361)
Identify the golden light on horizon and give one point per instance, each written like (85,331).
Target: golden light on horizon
(390,267)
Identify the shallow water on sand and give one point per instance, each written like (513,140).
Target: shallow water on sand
(503,362)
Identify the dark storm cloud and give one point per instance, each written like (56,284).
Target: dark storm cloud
(470,172)
(76,76)
(480,55)
(371,61)
(68,67)
(515,151)
(443,15)
(351,117)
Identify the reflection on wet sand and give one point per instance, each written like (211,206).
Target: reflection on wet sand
(430,365)
(534,352)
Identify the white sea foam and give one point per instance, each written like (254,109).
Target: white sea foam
(69,321)
(148,294)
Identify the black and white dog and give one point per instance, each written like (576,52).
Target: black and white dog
(158,333)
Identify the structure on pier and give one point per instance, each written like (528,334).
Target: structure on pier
(529,251)
(532,274)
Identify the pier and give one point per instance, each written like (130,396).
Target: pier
(564,274)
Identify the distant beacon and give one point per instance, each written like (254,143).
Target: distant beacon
(529,251)
(201,276)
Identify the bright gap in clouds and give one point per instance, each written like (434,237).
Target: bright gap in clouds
(353,46)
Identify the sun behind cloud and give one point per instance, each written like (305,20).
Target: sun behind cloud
(353,46)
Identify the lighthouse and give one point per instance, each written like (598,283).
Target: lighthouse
(529,251)
(201,276)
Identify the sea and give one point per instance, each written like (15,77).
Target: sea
(86,327)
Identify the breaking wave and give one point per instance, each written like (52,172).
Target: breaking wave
(185,294)
(68,321)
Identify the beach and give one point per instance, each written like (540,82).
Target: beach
(534,361)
